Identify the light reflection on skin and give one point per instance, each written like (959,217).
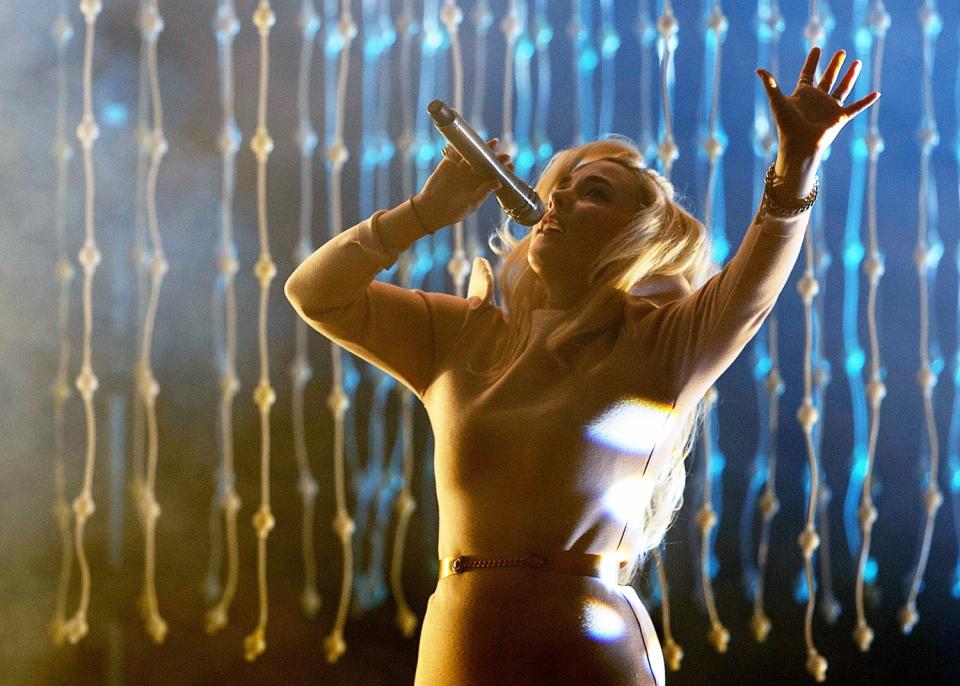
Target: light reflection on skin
(632,426)
(602,622)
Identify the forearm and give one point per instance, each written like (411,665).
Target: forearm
(341,269)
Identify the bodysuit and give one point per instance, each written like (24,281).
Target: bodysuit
(545,458)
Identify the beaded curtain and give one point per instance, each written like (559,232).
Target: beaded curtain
(813,510)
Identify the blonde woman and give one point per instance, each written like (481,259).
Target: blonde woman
(562,418)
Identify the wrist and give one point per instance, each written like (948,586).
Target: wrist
(796,174)
(400,227)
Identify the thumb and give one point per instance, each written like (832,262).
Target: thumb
(770,86)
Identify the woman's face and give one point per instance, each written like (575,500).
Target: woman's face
(584,212)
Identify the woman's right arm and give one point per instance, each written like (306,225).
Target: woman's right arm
(404,332)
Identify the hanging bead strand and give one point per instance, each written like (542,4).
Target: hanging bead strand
(337,401)
(452,16)
(62,34)
(300,370)
(405,505)
(879,22)
(255,643)
(89,257)
(667,153)
(226,26)
(713,147)
(926,257)
(770,387)
(151,25)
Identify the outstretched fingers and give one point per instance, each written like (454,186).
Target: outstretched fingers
(770,86)
(809,70)
(847,82)
(860,105)
(832,71)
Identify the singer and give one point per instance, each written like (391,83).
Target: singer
(563,416)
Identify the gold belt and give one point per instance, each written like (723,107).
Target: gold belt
(604,567)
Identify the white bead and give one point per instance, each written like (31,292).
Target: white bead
(151,23)
(808,542)
(451,15)
(714,148)
(719,637)
(863,637)
(264,270)
(229,384)
(930,20)
(149,508)
(300,371)
(226,25)
(706,519)
(87,383)
(343,526)
(62,31)
(668,152)
(83,507)
(808,288)
(405,505)
(264,18)
(511,26)
(866,515)
(932,500)
(228,142)
(875,144)
(458,267)
(760,626)
(876,392)
(64,271)
(60,391)
(87,132)
(309,21)
(817,666)
(231,502)
(926,379)
(261,144)
(338,402)
(90,9)
(306,139)
(89,257)
(807,416)
(667,26)
(482,17)
(878,19)
(774,382)
(148,386)
(158,267)
(348,29)
(908,617)
(310,601)
(307,486)
(264,396)
(815,32)
(718,22)
(873,266)
(263,521)
(338,154)
(254,644)
(334,646)
(929,137)
(769,505)
(228,265)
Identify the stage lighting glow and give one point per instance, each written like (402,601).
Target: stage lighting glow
(631,425)
(601,622)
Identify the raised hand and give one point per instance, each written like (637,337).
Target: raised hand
(809,119)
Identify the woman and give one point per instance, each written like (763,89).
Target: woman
(562,421)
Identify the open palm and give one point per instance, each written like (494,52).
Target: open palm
(809,119)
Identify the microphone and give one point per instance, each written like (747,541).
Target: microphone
(516,198)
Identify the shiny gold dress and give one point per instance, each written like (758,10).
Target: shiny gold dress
(545,458)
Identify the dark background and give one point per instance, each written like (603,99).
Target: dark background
(117,650)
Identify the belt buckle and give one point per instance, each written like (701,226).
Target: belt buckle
(458,564)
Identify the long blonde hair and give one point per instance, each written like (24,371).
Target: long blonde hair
(661,239)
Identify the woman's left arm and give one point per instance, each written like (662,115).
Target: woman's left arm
(715,322)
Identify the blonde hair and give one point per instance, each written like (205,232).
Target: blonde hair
(661,239)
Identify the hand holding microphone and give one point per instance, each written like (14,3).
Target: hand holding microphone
(517,198)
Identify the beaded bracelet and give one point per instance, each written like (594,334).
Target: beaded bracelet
(768,206)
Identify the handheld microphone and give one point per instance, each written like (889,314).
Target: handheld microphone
(516,198)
